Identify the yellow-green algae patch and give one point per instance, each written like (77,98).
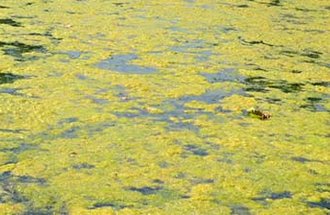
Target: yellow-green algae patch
(166,129)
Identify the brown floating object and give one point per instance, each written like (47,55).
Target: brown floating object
(263,115)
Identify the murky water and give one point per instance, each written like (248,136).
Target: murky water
(143,107)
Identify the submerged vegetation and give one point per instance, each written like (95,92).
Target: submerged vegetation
(164,107)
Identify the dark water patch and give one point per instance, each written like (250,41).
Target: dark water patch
(311,54)
(175,126)
(158,181)
(196,150)
(73,54)
(30,179)
(17,49)
(55,40)
(253,42)
(321,83)
(305,9)
(272,196)
(281,195)
(305,160)
(305,53)
(242,6)
(11,91)
(9,192)
(313,61)
(90,129)
(121,63)
(314,99)
(176,108)
(146,190)
(286,87)
(257,84)
(5,176)
(10,22)
(240,210)
(289,53)
(20,148)
(228,74)
(185,196)
(8,78)
(260,84)
(70,133)
(120,4)
(323,203)
(83,166)
(212,97)
(82,77)
(96,100)
(301,159)
(71,12)
(104,204)
(314,104)
(203,56)
(275,3)
(295,71)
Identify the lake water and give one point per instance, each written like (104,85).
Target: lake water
(164,107)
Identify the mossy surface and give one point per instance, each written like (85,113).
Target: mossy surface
(141,107)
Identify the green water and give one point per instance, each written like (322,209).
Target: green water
(151,107)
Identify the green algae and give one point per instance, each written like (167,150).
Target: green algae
(139,107)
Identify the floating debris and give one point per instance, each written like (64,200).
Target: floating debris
(263,115)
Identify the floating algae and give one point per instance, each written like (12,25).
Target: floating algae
(140,107)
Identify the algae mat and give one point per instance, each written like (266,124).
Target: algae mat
(142,107)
